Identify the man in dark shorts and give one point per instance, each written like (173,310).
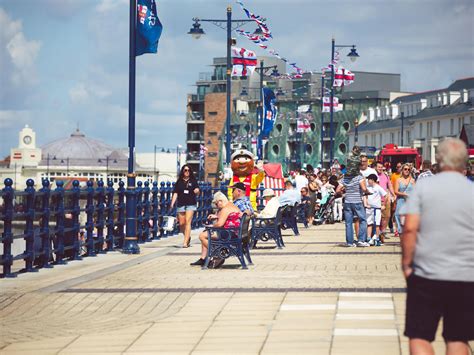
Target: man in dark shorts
(438,255)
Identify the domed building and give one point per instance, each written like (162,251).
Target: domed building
(76,157)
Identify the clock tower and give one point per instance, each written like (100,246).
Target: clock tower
(26,154)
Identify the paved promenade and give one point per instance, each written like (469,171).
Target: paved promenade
(312,297)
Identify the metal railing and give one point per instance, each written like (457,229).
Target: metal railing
(60,225)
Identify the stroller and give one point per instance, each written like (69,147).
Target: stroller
(325,212)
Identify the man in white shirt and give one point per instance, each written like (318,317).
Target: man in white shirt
(290,196)
(272,206)
(365,170)
(300,180)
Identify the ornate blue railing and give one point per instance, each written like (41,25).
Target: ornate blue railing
(59,224)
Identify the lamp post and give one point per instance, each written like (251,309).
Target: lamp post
(178,160)
(322,121)
(402,116)
(356,134)
(196,31)
(353,55)
(67,165)
(107,159)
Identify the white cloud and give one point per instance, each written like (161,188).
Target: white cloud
(17,59)
(109,5)
(81,93)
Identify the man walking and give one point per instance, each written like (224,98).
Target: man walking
(438,250)
(426,170)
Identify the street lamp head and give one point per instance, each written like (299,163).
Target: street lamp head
(196,31)
(353,55)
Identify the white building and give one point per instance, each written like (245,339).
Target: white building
(78,157)
(428,117)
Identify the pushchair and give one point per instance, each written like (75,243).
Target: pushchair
(324,214)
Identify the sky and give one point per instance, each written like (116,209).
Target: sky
(64,63)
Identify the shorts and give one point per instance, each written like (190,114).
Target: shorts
(386,211)
(369,213)
(429,300)
(186,208)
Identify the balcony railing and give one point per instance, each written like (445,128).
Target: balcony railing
(195,136)
(195,116)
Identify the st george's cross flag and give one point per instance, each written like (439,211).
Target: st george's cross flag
(343,77)
(149,28)
(303,125)
(243,61)
(335,104)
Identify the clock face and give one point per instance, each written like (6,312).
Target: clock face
(27,139)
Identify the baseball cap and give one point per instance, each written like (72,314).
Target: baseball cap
(240,186)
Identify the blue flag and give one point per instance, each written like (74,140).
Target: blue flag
(269,111)
(149,27)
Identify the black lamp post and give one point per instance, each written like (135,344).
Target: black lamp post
(356,134)
(353,55)
(196,31)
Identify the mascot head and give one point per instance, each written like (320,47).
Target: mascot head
(242,162)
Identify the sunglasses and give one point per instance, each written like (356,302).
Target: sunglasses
(186,170)
(406,169)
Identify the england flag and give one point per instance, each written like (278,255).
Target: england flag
(243,61)
(335,104)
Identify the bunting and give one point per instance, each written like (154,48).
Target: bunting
(303,125)
(335,104)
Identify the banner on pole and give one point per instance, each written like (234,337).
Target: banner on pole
(269,111)
(149,28)
(243,61)
(335,104)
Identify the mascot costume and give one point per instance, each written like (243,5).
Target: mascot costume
(243,169)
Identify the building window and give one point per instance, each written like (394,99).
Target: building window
(276,149)
(451,126)
(398,138)
(438,128)
(366,140)
(380,139)
(392,137)
(309,149)
(421,130)
(342,148)
(408,138)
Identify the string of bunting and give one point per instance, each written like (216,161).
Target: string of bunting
(261,40)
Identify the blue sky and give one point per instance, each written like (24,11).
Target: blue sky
(65,62)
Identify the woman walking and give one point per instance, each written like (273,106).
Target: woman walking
(185,191)
(403,187)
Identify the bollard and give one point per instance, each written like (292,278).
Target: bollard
(154,204)
(121,215)
(7,237)
(76,210)
(46,254)
(29,226)
(146,212)
(139,202)
(110,215)
(163,210)
(100,193)
(90,219)
(59,212)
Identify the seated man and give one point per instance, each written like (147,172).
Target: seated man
(290,196)
(272,206)
(240,200)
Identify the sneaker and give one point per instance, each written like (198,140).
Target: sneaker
(371,242)
(362,244)
(199,262)
(378,243)
(347,245)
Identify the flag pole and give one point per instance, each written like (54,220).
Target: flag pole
(130,245)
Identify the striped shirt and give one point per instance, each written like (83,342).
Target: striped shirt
(353,189)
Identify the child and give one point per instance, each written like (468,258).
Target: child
(353,162)
(374,203)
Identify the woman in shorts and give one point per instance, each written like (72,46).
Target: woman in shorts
(185,191)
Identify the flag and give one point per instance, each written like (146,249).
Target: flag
(243,61)
(348,77)
(302,125)
(269,111)
(335,104)
(149,27)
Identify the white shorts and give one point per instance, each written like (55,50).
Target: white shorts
(373,214)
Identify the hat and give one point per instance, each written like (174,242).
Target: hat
(240,186)
(268,193)
(243,152)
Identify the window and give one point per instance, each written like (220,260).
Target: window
(372,140)
(392,137)
(366,140)
(451,126)
(429,127)
(408,138)
(421,130)
(276,149)
(398,138)
(380,139)
(438,128)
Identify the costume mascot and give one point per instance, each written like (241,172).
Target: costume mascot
(244,170)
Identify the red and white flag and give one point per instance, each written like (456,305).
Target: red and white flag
(335,104)
(302,126)
(244,61)
(343,77)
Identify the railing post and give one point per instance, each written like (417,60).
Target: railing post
(90,219)
(59,211)
(76,210)
(44,225)
(146,212)
(29,226)
(167,204)
(7,236)
(139,202)
(208,199)
(175,231)
(154,203)
(100,193)
(163,210)
(121,214)
(110,215)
